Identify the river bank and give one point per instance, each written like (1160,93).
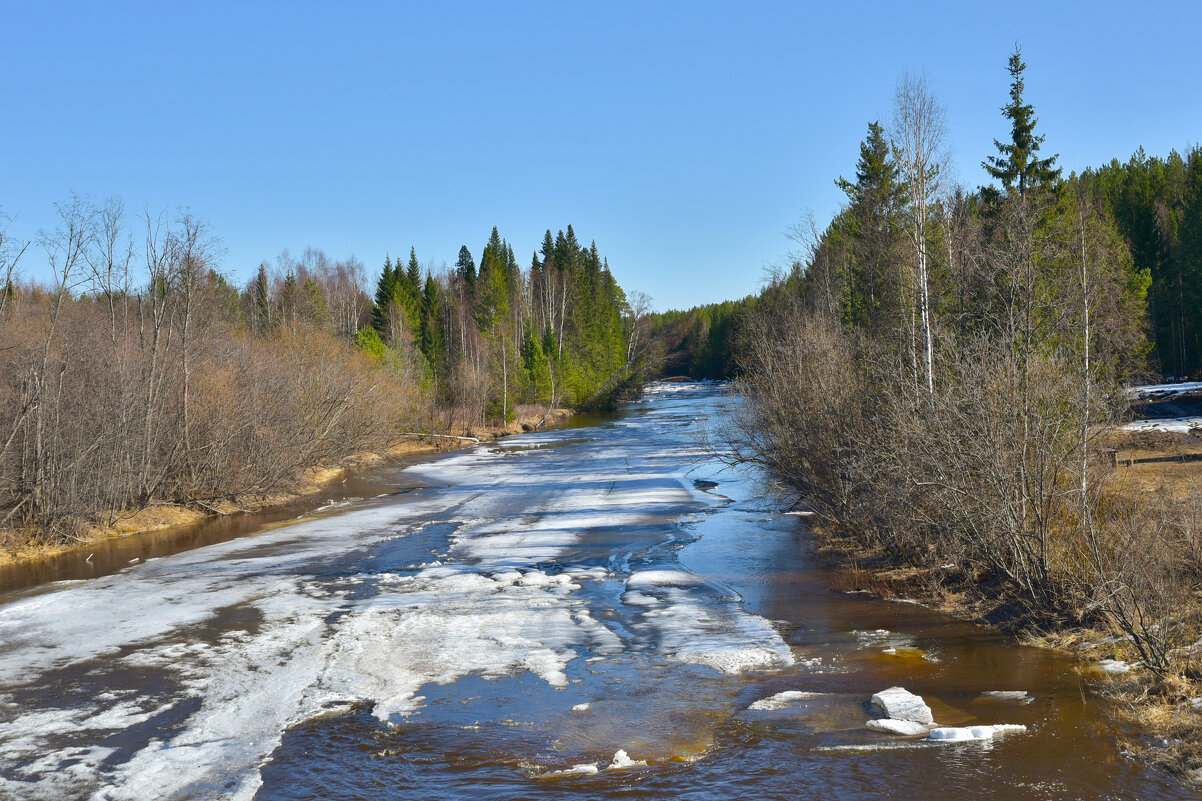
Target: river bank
(26,546)
(1161,716)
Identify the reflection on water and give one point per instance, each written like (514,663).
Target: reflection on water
(507,625)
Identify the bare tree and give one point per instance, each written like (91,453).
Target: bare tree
(919,127)
(640,311)
(10,253)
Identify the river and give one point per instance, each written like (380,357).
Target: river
(588,612)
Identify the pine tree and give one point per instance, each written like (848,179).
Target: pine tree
(1018,164)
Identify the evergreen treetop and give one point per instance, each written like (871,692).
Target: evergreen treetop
(1017,164)
(465,266)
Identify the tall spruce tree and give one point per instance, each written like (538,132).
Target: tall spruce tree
(465,267)
(413,274)
(872,288)
(433,340)
(385,290)
(1018,165)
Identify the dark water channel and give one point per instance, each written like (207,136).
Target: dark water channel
(590,612)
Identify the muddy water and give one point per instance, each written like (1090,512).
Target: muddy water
(500,623)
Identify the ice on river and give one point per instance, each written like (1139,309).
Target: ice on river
(1168,425)
(782,700)
(954,734)
(237,642)
(1159,391)
(900,704)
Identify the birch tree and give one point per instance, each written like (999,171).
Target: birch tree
(919,127)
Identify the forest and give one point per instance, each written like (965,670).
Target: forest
(940,380)
(138,374)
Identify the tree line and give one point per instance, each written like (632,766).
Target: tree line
(137,373)
(485,339)
(1157,206)
(937,377)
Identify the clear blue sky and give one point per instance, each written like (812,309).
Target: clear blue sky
(685,138)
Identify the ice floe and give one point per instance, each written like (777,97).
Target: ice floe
(583,769)
(900,704)
(959,734)
(695,621)
(883,639)
(622,761)
(1113,666)
(906,728)
(782,700)
(1017,696)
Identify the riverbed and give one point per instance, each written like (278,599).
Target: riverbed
(600,611)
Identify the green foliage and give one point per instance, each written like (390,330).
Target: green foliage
(385,290)
(538,369)
(368,340)
(1157,206)
(483,340)
(465,267)
(433,339)
(702,342)
(870,235)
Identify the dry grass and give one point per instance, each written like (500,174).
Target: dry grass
(1164,726)
(1159,462)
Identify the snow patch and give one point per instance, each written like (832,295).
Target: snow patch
(1168,425)
(1160,391)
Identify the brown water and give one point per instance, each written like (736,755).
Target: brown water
(440,636)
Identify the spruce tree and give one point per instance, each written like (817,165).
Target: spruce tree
(385,290)
(871,289)
(465,267)
(262,301)
(433,341)
(1018,165)
(410,294)
(413,274)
